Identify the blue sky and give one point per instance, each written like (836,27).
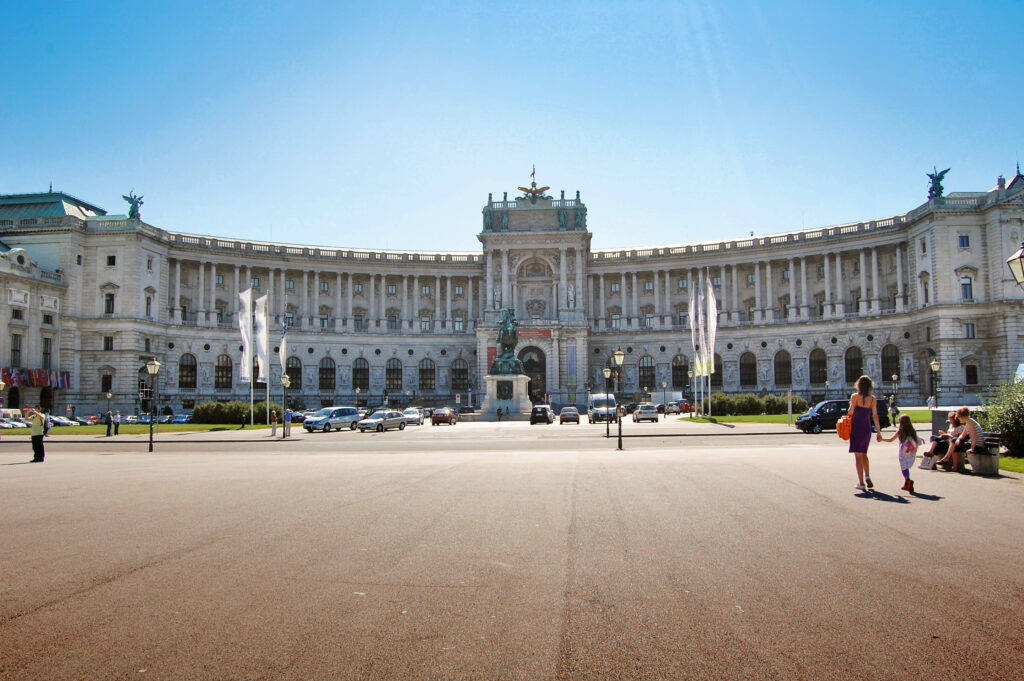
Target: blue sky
(385,125)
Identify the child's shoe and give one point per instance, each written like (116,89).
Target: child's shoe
(906,485)
(910,487)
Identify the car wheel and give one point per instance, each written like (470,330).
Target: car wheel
(362,430)
(816,429)
(401,426)
(327,427)
(380,427)
(352,426)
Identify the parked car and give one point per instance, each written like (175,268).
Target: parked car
(182,418)
(467,409)
(443,415)
(381,420)
(686,407)
(672,408)
(167,418)
(542,413)
(15,423)
(62,421)
(332,418)
(130,418)
(823,415)
(569,415)
(144,419)
(645,412)
(298,417)
(413,416)
(629,407)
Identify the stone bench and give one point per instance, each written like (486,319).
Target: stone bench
(986,464)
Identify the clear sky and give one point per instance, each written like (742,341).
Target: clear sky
(385,125)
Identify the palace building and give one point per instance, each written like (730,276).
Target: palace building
(87,298)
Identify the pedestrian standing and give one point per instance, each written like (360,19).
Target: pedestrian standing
(273,423)
(117,421)
(863,410)
(909,442)
(287,421)
(38,421)
(110,423)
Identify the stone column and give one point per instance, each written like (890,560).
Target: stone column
(828,287)
(448,300)
(579,278)
(283,304)
(176,292)
(862,308)
(723,296)
(416,303)
(791,312)
(667,305)
(437,302)
(556,387)
(875,294)
(303,317)
(339,313)
(899,278)
(735,296)
(404,316)
(315,304)
(602,311)
(804,303)
(657,299)
(563,281)
(371,303)
(505,291)
(840,305)
(635,307)
(234,295)
(770,290)
(200,299)
(758,301)
(469,302)
(489,282)
(348,301)
(212,306)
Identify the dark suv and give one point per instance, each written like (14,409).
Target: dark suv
(823,415)
(542,413)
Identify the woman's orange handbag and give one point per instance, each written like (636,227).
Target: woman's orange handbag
(844,426)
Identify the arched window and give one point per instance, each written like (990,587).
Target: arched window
(187,372)
(854,364)
(680,365)
(460,375)
(361,374)
(748,370)
(427,377)
(783,369)
(647,374)
(716,378)
(818,366)
(890,362)
(222,370)
(294,371)
(325,379)
(393,374)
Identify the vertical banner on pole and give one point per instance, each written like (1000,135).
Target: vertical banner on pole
(245,326)
(712,331)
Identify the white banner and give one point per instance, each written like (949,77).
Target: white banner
(282,350)
(701,359)
(259,337)
(245,326)
(709,351)
(694,340)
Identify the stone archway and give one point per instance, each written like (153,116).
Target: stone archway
(535,365)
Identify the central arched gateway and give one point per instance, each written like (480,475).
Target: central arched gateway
(535,364)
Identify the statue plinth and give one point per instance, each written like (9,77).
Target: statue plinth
(506,391)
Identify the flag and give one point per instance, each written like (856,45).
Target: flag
(694,341)
(282,351)
(712,331)
(245,326)
(533,174)
(702,351)
(259,337)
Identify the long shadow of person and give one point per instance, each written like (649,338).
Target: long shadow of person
(926,497)
(882,496)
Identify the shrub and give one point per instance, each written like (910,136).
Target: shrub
(1005,414)
(747,404)
(231,412)
(722,404)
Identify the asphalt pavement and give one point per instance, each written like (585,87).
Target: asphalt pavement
(502,551)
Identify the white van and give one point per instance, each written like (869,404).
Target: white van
(601,407)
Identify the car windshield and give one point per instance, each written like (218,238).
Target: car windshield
(604,403)
(412,412)
(323,412)
(569,410)
(378,415)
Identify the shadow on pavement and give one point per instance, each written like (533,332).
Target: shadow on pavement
(926,497)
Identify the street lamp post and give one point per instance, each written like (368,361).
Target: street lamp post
(109,395)
(607,376)
(664,402)
(895,385)
(619,356)
(153,369)
(286,381)
(689,382)
(826,388)
(935,365)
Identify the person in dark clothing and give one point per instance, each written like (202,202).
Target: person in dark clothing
(110,423)
(38,421)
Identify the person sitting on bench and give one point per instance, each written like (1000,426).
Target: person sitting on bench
(970,438)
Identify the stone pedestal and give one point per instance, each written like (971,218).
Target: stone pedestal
(517,403)
(984,464)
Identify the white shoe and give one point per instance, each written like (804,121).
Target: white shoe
(861,488)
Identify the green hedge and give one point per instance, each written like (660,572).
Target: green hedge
(1004,413)
(749,404)
(232,412)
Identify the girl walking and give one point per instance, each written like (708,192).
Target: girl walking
(863,410)
(909,442)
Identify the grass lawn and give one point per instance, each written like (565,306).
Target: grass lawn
(1011,463)
(131,429)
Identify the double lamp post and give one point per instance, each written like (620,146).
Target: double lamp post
(618,357)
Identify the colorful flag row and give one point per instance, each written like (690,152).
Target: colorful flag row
(35,378)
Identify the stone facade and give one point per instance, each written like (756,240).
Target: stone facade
(808,311)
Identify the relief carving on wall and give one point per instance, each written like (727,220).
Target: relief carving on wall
(536,307)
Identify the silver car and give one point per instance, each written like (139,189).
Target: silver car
(328,418)
(381,420)
(413,416)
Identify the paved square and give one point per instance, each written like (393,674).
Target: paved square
(488,551)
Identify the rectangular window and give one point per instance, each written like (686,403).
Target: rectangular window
(971,374)
(106,383)
(648,286)
(392,323)
(716,281)
(785,275)
(289,284)
(218,279)
(458,289)
(927,333)
(47,353)
(964,241)
(220,315)
(359,322)
(751,279)
(146,346)
(254,282)
(615,287)
(821,271)
(108,343)
(682,319)
(924,246)
(149,306)
(357,288)
(48,319)
(460,324)
(648,320)
(17,314)
(15,349)
(425,289)
(969,330)
(111,261)
(392,289)
(425,324)
(323,321)
(966,288)
(616,321)
(149,263)
(325,287)
(108,303)
(78,259)
(682,284)
(289,319)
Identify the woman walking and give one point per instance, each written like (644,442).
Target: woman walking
(863,410)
